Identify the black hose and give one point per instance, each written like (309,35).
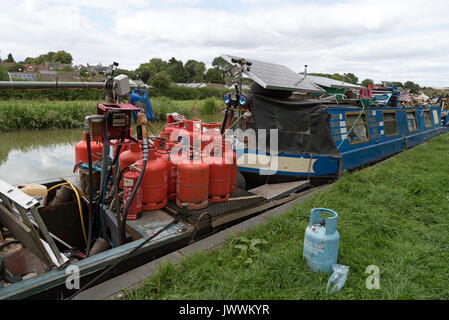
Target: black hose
(5,244)
(91,193)
(121,172)
(133,193)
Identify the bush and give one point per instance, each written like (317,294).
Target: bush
(17,115)
(163,105)
(56,94)
(183,93)
(208,106)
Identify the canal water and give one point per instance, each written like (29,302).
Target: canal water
(33,156)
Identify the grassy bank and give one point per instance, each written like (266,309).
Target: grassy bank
(44,114)
(393,215)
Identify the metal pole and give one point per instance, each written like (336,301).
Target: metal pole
(50,85)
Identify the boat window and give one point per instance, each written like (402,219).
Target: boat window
(427,119)
(411,121)
(359,132)
(390,123)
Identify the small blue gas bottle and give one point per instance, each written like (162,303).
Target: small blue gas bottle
(321,241)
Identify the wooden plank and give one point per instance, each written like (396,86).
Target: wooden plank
(278,190)
(28,237)
(244,213)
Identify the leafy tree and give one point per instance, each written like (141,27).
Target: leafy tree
(325,75)
(146,71)
(338,77)
(29,60)
(222,65)
(177,71)
(161,80)
(61,56)
(367,82)
(130,74)
(67,68)
(414,87)
(351,78)
(214,75)
(160,64)
(10,59)
(195,70)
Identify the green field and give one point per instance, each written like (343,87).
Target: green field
(45,114)
(393,215)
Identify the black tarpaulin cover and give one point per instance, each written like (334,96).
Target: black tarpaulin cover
(303,125)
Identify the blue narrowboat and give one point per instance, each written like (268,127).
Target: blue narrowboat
(322,139)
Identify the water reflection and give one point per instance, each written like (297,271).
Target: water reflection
(27,156)
(30,156)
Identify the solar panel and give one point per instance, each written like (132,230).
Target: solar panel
(331,83)
(23,76)
(276,76)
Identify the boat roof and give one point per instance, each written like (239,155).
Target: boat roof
(331,83)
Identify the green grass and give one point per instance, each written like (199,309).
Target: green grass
(45,114)
(393,215)
(208,106)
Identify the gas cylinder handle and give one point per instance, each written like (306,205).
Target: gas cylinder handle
(330,223)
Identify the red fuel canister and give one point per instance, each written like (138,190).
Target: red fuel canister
(129,181)
(81,150)
(124,146)
(129,157)
(219,174)
(192,184)
(172,172)
(154,182)
(230,156)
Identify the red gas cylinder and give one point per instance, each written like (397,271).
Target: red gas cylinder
(210,130)
(230,156)
(192,184)
(129,181)
(124,146)
(192,129)
(81,150)
(163,153)
(169,128)
(154,182)
(129,157)
(219,174)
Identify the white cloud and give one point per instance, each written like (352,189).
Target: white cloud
(403,40)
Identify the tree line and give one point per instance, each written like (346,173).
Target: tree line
(160,73)
(351,78)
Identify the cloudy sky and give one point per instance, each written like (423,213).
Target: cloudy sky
(381,39)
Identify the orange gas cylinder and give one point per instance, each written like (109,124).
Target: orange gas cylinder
(163,153)
(129,157)
(81,150)
(219,174)
(192,184)
(154,182)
